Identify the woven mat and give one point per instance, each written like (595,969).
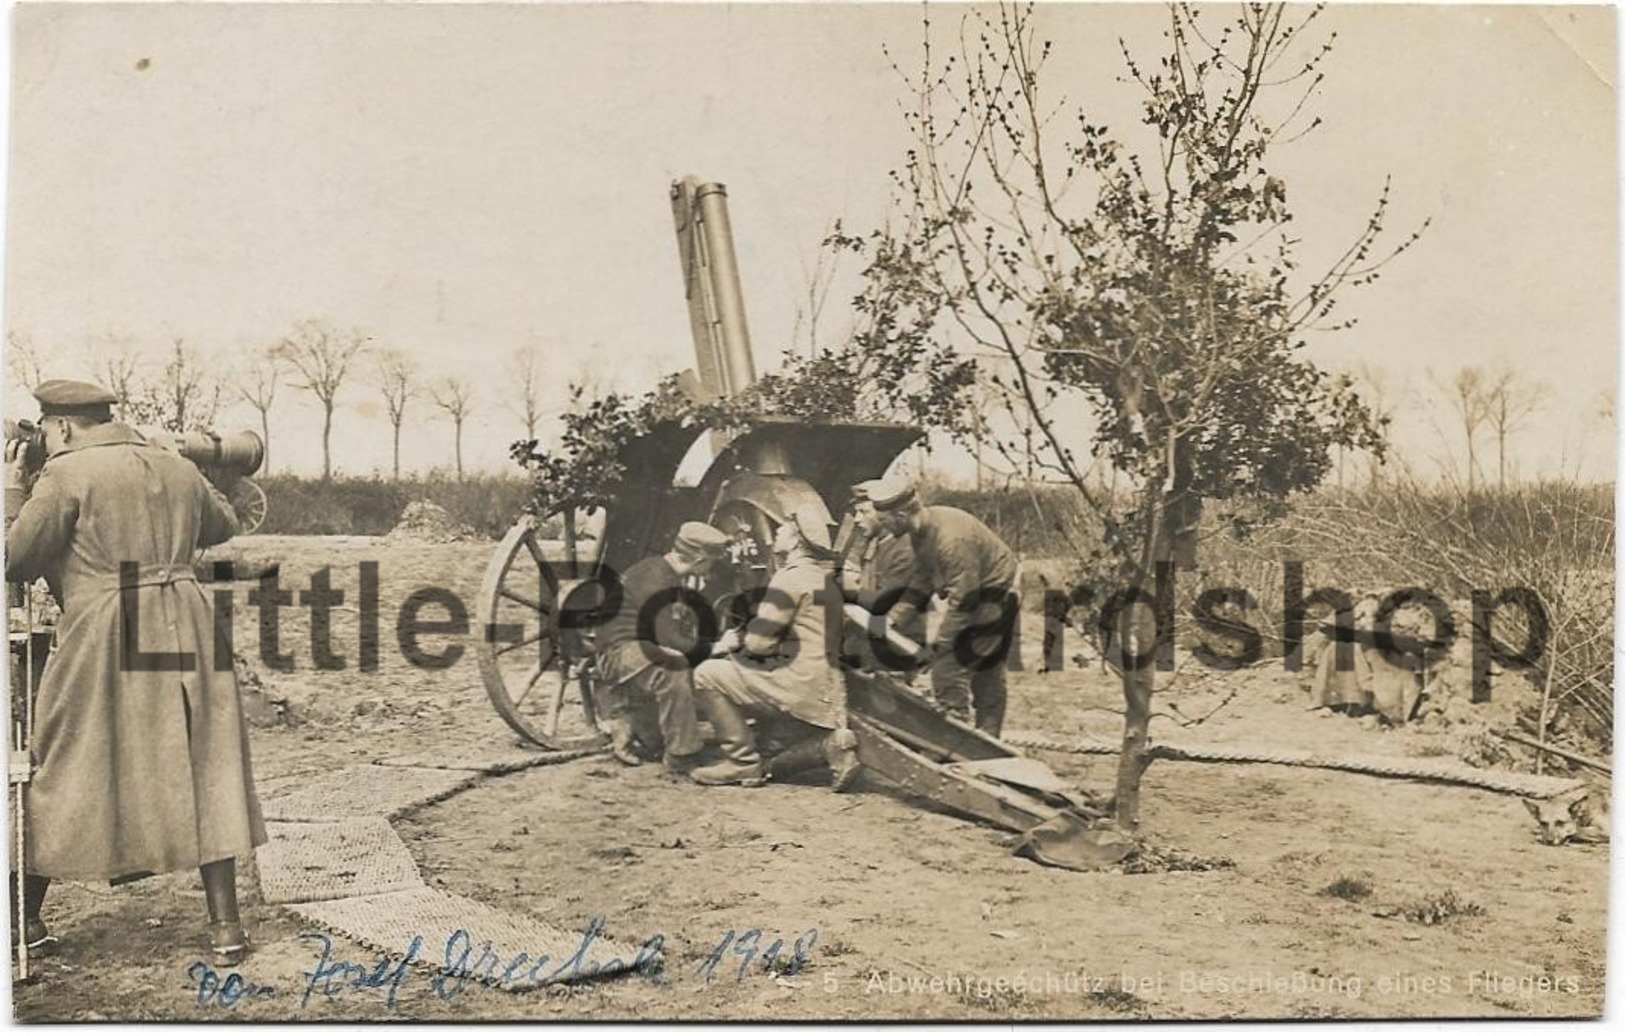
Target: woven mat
(305,862)
(367,791)
(463,937)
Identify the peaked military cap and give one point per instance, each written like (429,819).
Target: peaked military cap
(700,538)
(62,397)
(866,490)
(891,493)
(811,524)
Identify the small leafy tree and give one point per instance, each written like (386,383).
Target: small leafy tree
(1158,294)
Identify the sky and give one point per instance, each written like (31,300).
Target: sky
(460,181)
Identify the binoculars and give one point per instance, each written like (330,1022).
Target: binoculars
(32,436)
(236,456)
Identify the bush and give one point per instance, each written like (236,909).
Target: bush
(372,506)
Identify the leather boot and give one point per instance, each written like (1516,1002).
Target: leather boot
(841,752)
(806,754)
(621,740)
(34,930)
(741,762)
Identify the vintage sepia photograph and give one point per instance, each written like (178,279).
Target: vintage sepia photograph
(913,512)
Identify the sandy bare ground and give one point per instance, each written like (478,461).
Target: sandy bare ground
(916,914)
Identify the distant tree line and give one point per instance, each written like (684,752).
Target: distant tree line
(179,387)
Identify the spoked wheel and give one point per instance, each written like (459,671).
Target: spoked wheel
(248,500)
(541,691)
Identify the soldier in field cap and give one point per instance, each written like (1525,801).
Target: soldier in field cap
(877,574)
(640,659)
(962,560)
(60,397)
(140,748)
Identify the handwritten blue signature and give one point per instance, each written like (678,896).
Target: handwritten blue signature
(331,977)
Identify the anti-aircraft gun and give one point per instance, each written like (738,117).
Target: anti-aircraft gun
(538,603)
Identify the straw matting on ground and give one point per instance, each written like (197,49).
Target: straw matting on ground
(464,938)
(368,791)
(316,861)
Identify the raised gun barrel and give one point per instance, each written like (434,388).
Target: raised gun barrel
(716,303)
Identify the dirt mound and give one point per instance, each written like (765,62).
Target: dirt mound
(424,522)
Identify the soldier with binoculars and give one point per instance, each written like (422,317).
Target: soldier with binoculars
(140,750)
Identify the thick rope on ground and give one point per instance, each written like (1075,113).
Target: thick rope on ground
(1527,784)
(368,790)
(493,764)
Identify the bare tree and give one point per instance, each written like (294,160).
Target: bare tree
(1510,398)
(1469,393)
(184,396)
(23,359)
(456,397)
(256,381)
(118,366)
(818,280)
(522,379)
(321,357)
(394,376)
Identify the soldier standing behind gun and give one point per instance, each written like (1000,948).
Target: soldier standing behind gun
(878,577)
(964,561)
(140,748)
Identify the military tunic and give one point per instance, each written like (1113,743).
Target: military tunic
(963,560)
(786,665)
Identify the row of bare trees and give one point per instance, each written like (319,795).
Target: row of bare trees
(183,390)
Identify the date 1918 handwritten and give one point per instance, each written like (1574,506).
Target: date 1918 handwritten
(463,959)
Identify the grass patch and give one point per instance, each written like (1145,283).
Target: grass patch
(1351,889)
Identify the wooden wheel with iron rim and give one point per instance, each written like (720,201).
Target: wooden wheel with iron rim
(540,683)
(248,500)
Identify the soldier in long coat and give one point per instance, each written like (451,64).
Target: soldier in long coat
(140,750)
(783,671)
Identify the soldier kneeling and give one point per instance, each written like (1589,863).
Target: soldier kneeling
(777,671)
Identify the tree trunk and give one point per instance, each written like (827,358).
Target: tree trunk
(1139,626)
(397,451)
(1137,687)
(459,442)
(327,439)
(1501,456)
(570,539)
(265,440)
